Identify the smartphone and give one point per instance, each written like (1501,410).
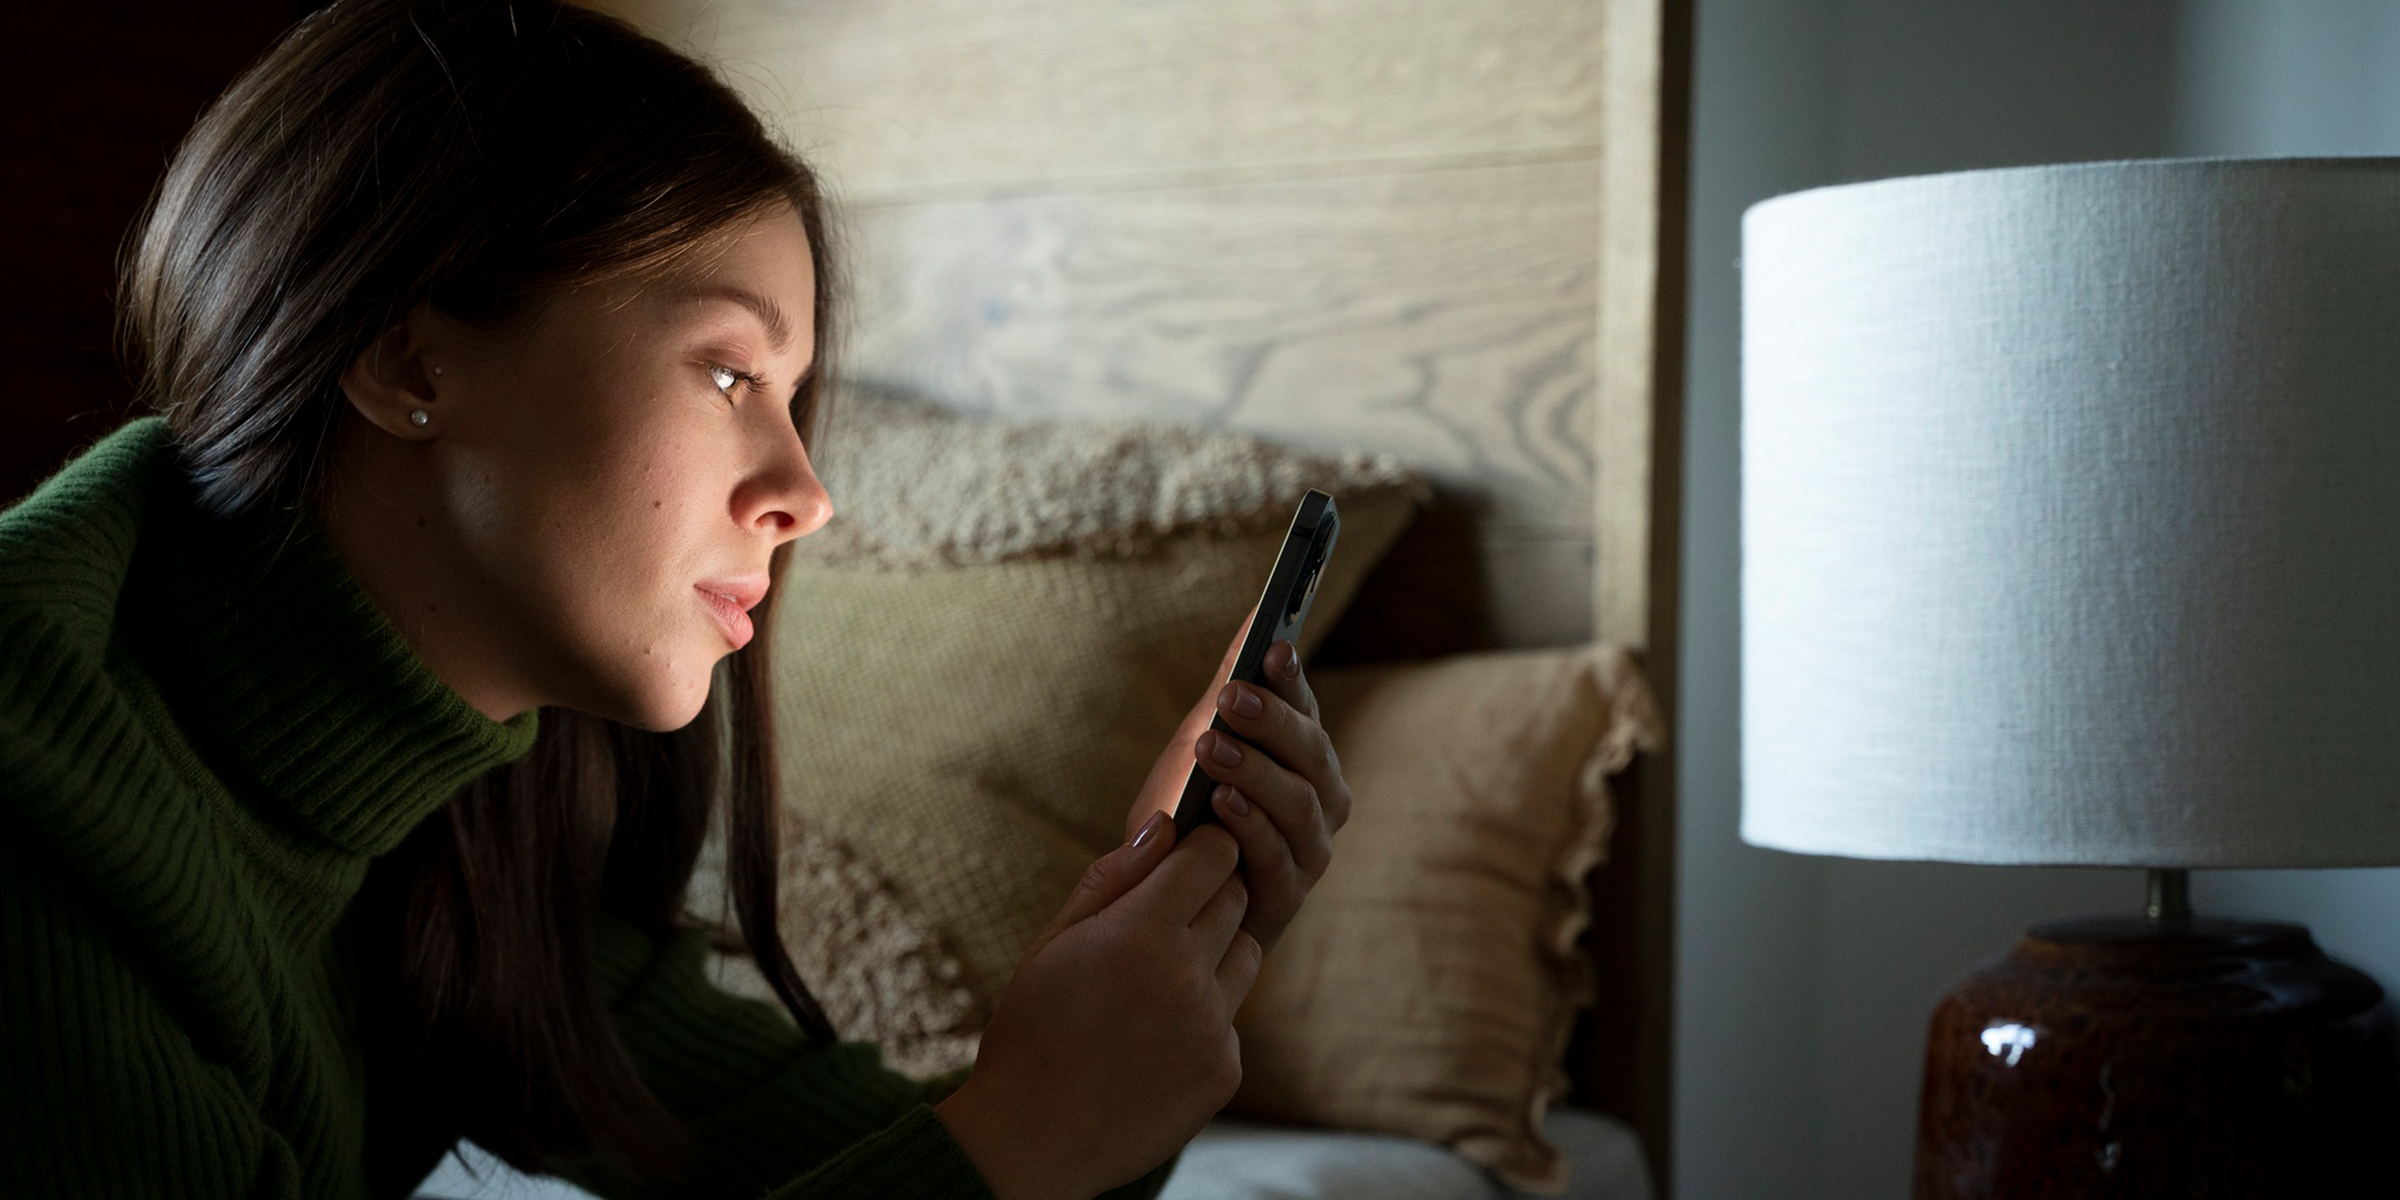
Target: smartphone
(1282,609)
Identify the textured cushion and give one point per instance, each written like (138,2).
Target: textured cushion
(1430,984)
(882,973)
(975,674)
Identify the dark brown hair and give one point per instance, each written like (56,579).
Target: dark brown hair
(479,156)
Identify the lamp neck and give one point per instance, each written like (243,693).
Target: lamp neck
(2170,895)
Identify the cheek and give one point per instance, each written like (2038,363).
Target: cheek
(594,532)
(648,638)
(635,504)
(632,529)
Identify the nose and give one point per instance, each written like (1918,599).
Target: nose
(783,498)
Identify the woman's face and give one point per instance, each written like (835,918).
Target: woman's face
(602,487)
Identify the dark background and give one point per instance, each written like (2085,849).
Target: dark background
(95,95)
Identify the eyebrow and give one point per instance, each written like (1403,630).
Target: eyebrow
(770,314)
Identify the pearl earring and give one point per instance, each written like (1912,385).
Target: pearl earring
(437,370)
(419,418)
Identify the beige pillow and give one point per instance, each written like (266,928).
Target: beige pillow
(1431,982)
(881,972)
(877,968)
(974,674)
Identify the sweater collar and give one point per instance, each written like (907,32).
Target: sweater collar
(273,656)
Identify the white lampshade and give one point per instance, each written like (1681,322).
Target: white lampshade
(2071,516)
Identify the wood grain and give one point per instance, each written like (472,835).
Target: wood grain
(1444,317)
(939,98)
(1628,324)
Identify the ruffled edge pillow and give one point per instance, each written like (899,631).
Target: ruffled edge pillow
(1430,985)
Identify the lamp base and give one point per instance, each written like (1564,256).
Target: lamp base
(2118,1057)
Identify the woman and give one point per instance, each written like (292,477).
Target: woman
(487,339)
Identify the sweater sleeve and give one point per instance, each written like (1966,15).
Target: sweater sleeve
(769,1111)
(102,1089)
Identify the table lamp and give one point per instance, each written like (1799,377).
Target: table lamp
(2071,536)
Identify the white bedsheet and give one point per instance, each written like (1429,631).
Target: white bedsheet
(1242,1160)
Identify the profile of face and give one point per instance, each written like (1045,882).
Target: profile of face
(585,510)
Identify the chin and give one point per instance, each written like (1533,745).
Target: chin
(672,711)
(655,679)
(657,703)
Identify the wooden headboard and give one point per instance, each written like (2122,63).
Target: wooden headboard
(1451,231)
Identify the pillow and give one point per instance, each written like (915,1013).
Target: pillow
(1431,982)
(880,972)
(979,659)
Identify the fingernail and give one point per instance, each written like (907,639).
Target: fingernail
(1291,661)
(1148,828)
(1239,701)
(1222,749)
(1232,798)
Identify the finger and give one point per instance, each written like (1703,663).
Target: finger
(1289,800)
(1266,855)
(1238,969)
(1221,917)
(1273,724)
(1281,671)
(1277,885)
(1141,812)
(1176,889)
(1114,874)
(1285,723)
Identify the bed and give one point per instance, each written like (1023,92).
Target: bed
(1235,1159)
(1449,233)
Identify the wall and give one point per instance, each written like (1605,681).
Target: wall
(1804,984)
(2320,78)
(1745,982)
(83,137)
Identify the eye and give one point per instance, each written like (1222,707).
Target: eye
(726,377)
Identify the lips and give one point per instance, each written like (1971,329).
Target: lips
(730,602)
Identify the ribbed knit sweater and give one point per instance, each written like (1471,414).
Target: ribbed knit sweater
(207,733)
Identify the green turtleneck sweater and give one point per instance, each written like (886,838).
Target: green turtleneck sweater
(207,732)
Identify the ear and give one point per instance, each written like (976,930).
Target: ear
(391,384)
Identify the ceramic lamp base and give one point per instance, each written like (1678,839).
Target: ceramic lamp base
(2129,1058)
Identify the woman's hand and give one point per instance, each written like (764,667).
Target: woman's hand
(1114,1042)
(1283,797)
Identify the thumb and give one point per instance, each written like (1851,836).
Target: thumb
(1112,875)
